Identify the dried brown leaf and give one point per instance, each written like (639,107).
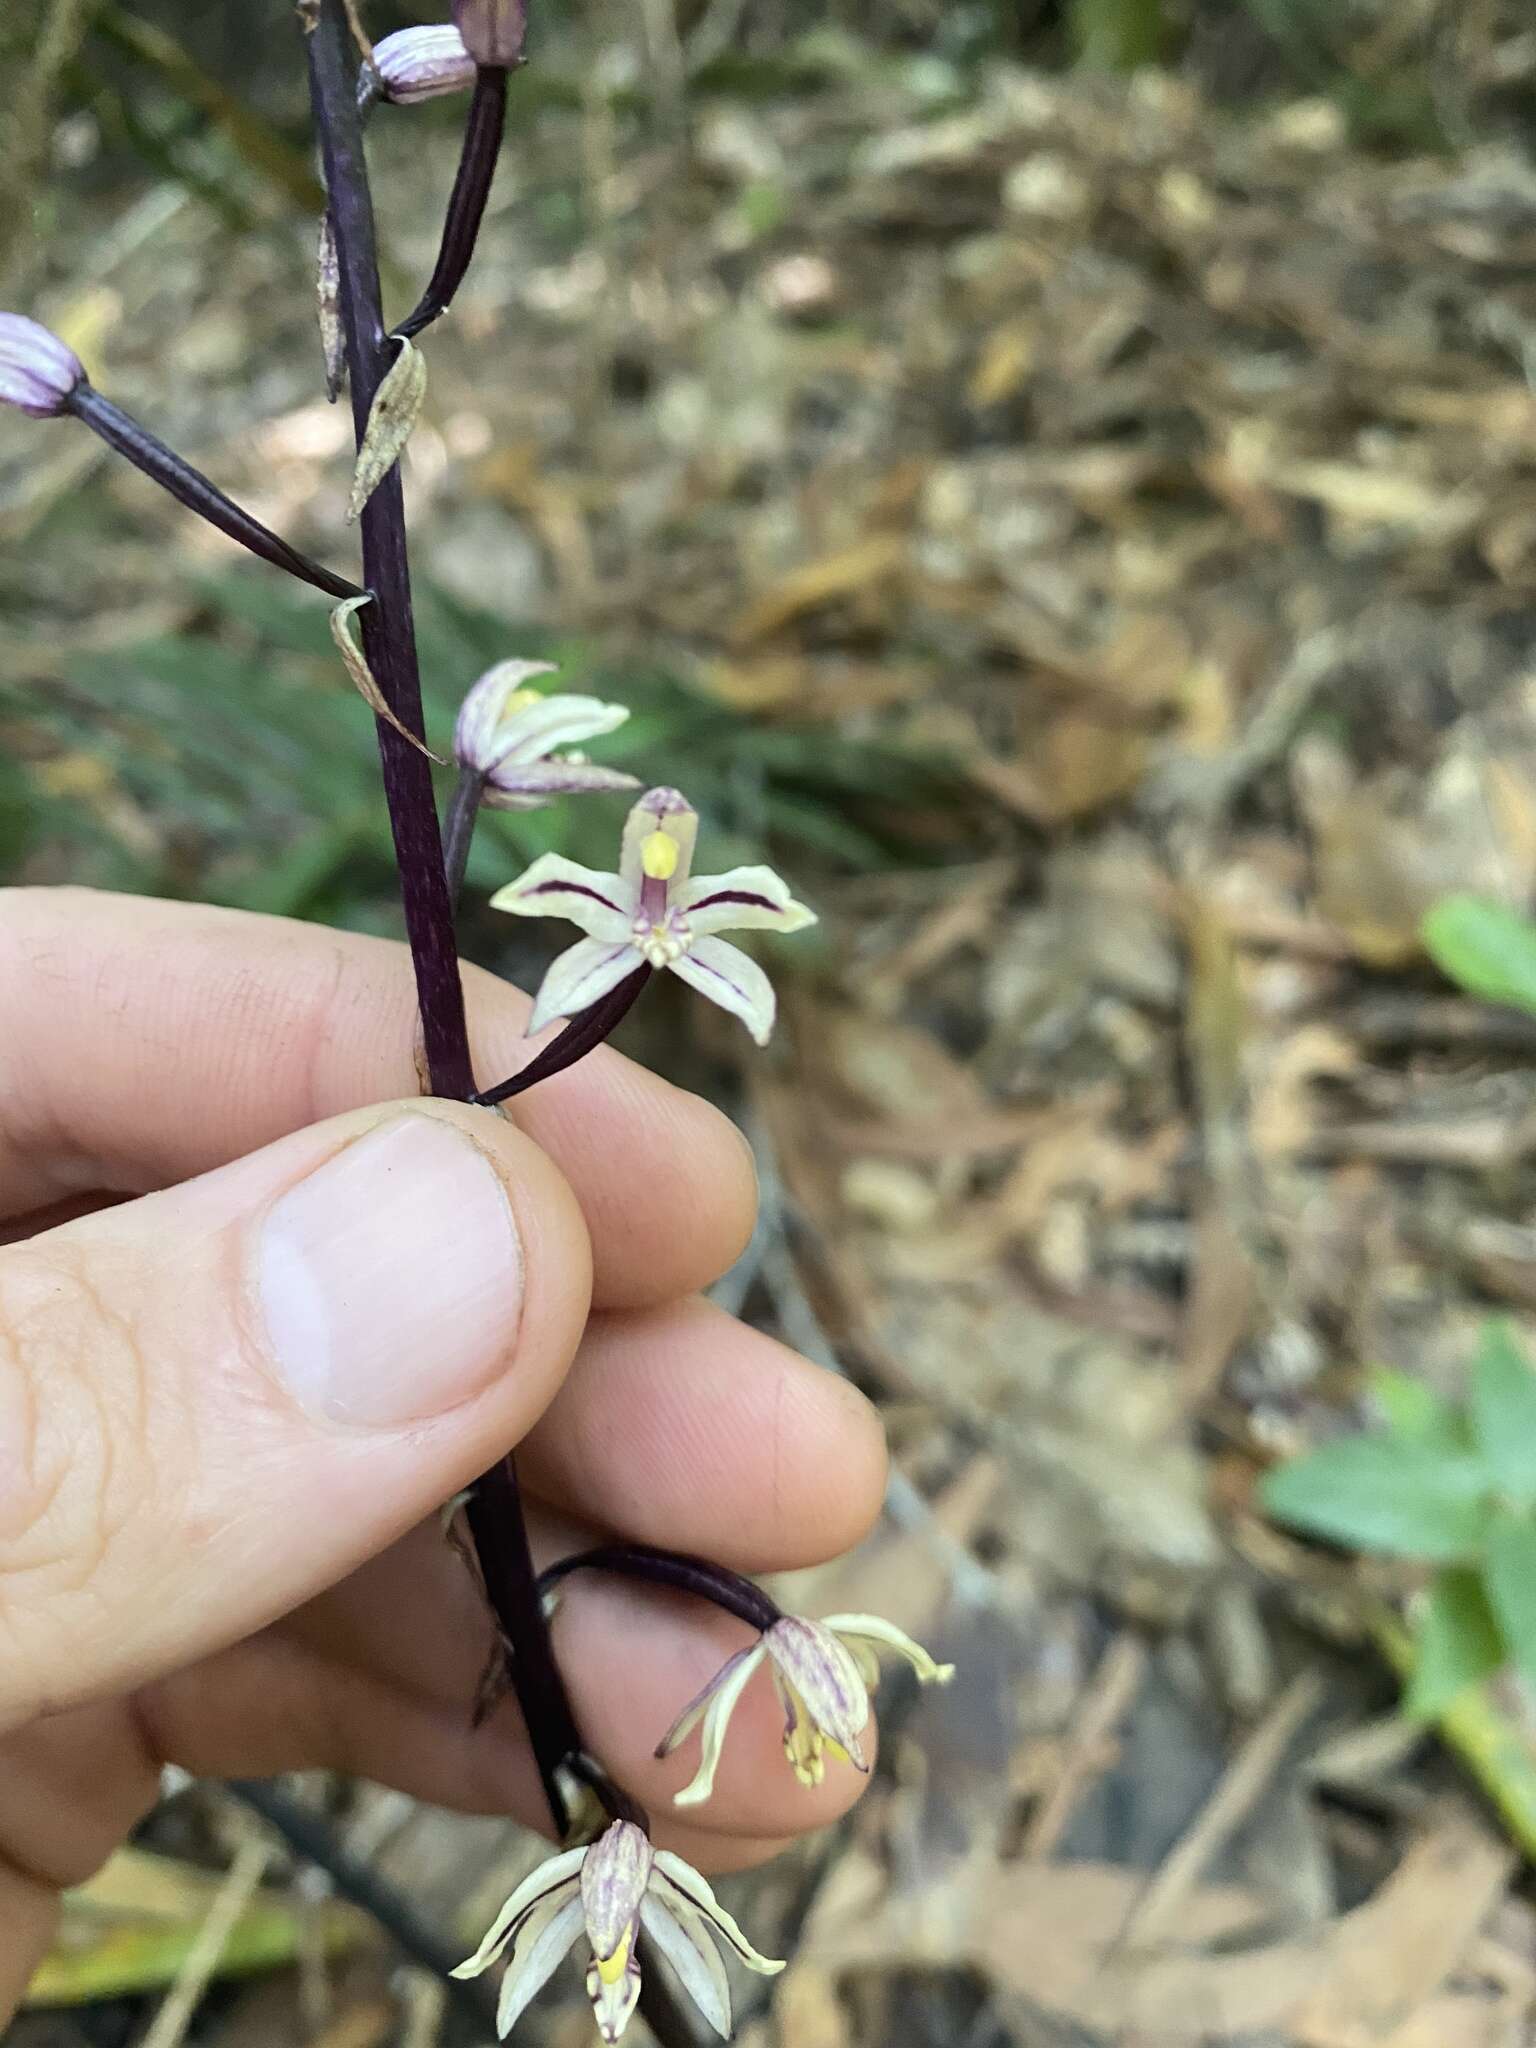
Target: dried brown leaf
(393,414)
(362,675)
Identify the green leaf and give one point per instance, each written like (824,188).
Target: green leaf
(1377,1493)
(1504,1413)
(1510,1570)
(1483,947)
(1415,1413)
(1458,1642)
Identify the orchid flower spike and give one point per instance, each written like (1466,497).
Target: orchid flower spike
(823,1672)
(613,1889)
(651,913)
(509,734)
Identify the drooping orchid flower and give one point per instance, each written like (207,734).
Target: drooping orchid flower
(823,1672)
(654,912)
(612,1890)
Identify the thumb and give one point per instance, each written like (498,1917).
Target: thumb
(217,1400)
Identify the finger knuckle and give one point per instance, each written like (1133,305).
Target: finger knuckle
(76,1451)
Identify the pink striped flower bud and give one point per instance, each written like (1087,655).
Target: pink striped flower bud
(422,64)
(38,373)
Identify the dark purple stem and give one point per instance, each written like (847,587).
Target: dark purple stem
(615,1802)
(467,201)
(585,1033)
(494,1510)
(695,1575)
(389,635)
(197,492)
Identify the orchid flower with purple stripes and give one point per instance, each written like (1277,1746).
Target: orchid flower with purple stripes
(510,735)
(823,1673)
(654,913)
(611,1891)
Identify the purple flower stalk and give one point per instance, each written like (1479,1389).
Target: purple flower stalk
(652,912)
(417,64)
(39,374)
(43,377)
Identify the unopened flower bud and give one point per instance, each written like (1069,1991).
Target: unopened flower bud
(422,64)
(493,30)
(38,373)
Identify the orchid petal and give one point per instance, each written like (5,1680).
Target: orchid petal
(677,1928)
(579,977)
(541,1884)
(727,1690)
(559,721)
(668,812)
(743,899)
(613,1881)
(672,1870)
(615,1992)
(599,904)
(548,1934)
(512,787)
(728,977)
(699,1705)
(869,1628)
(483,714)
(823,1680)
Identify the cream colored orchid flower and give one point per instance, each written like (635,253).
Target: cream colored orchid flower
(651,913)
(613,1889)
(823,1672)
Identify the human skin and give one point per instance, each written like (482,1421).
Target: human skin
(211,1560)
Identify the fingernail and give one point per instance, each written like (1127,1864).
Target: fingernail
(391,1280)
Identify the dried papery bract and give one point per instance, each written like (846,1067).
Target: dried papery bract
(494,31)
(333,343)
(356,662)
(396,406)
(39,374)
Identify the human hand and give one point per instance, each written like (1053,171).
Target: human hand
(230,1408)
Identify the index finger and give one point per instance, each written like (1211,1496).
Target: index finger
(142,1042)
